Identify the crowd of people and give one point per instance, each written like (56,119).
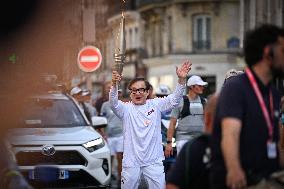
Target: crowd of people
(230,140)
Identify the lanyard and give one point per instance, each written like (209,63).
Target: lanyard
(268,119)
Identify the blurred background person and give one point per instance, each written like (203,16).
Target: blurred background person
(86,98)
(161,92)
(190,115)
(103,98)
(76,93)
(10,176)
(282,130)
(83,98)
(191,169)
(151,93)
(231,73)
(193,162)
(114,135)
(244,138)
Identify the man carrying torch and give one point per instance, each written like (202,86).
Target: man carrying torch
(141,118)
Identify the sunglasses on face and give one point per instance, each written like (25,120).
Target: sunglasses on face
(140,91)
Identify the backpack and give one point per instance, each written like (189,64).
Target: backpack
(186,104)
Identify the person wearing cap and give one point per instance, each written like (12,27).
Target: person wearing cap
(162,90)
(191,169)
(189,115)
(86,101)
(77,94)
(114,134)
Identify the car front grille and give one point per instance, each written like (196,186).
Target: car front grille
(59,158)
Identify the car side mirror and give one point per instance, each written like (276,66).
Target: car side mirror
(99,122)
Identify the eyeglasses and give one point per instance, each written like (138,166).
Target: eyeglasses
(140,90)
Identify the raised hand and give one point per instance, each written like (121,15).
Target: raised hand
(183,70)
(115,78)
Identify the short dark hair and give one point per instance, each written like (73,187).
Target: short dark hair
(147,84)
(256,40)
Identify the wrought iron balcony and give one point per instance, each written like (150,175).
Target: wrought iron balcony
(141,3)
(201,45)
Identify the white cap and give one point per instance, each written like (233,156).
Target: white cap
(97,121)
(196,80)
(75,91)
(86,93)
(163,90)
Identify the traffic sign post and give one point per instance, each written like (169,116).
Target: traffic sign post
(89,59)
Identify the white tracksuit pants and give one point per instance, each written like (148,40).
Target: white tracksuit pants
(154,175)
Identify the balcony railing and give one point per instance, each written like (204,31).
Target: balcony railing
(202,45)
(140,3)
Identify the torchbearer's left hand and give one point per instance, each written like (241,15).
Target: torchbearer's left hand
(183,70)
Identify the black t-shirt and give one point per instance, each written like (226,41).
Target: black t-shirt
(238,100)
(190,170)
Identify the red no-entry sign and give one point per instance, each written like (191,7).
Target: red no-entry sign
(89,59)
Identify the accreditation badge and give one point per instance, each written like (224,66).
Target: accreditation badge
(271,150)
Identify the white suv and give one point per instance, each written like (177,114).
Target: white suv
(56,147)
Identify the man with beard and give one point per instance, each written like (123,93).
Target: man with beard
(246,124)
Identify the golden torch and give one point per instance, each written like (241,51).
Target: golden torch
(119,54)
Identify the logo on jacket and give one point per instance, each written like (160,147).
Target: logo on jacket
(147,123)
(149,113)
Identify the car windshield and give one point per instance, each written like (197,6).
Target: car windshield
(51,113)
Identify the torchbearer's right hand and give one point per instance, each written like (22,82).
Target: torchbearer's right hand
(115,78)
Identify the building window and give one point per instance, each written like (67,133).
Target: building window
(130,39)
(201,32)
(153,36)
(233,43)
(170,34)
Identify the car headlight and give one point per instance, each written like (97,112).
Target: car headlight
(94,144)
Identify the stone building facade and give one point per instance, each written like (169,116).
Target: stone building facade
(256,12)
(206,32)
(160,34)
